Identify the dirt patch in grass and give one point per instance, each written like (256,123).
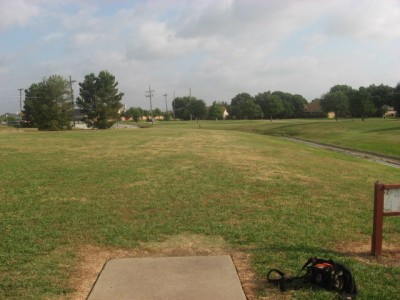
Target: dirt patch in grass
(362,252)
(92,259)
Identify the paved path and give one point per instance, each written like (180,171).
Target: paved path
(169,278)
(380,159)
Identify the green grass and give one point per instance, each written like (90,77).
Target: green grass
(274,199)
(381,136)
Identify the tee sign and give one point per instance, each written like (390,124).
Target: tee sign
(391,200)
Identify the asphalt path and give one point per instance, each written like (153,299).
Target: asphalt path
(380,159)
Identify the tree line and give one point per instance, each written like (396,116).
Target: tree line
(183,108)
(343,100)
(267,105)
(49,104)
(373,100)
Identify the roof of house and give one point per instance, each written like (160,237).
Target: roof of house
(314,106)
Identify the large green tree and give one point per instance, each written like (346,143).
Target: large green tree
(243,106)
(48,104)
(271,104)
(396,99)
(181,108)
(299,104)
(337,100)
(198,109)
(216,111)
(361,104)
(99,100)
(281,105)
(288,110)
(382,97)
(187,108)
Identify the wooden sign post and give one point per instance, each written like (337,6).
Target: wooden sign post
(387,203)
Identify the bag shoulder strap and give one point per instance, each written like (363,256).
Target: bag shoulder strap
(278,281)
(283,279)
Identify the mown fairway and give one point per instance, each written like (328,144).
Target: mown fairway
(381,136)
(64,193)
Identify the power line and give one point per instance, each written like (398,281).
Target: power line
(183,107)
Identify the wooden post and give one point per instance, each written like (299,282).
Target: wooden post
(376,246)
(384,206)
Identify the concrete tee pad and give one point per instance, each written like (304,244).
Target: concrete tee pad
(169,278)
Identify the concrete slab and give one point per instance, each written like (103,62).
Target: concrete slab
(169,278)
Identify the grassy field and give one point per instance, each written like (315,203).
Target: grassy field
(380,136)
(69,200)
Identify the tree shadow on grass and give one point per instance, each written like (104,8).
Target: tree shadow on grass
(396,128)
(359,251)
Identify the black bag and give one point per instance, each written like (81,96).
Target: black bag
(328,274)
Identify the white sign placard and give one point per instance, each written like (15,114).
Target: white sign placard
(391,200)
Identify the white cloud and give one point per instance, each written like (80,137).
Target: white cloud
(375,20)
(16,13)
(53,36)
(154,40)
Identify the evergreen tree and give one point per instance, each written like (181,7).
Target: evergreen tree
(48,104)
(99,100)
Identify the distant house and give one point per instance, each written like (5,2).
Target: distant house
(11,116)
(148,118)
(390,112)
(10,119)
(225,114)
(314,110)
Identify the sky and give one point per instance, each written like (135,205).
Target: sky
(211,49)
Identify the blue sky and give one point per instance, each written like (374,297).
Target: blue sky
(216,48)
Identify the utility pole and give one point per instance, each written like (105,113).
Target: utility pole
(173,107)
(20,101)
(72,99)
(149,94)
(166,105)
(190,98)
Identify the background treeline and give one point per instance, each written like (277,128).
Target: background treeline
(373,100)
(343,100)
(267,105)
(184,108)
(50,104)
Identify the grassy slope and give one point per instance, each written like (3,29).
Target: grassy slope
(272,198)
(380,136)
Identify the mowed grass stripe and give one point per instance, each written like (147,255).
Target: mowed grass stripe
(280,201)
(381,136)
